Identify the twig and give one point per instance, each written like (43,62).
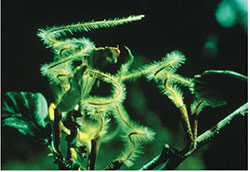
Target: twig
(94,146)
(173,161)
(158,159)
(115,165)
(227,72)
(186,125)
(57,131)
(73,132)
(209,135)
(214,131)
(195,131)
(92,155)
(178,101)
(59,160)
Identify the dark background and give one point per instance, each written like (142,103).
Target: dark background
(168,25)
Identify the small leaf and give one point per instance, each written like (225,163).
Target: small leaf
(41,109)
(21,125)
(218,87)
(207,88)
(25,111)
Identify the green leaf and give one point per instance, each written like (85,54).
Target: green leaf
(206,88)
(25,111)
(217,87)
(22,126)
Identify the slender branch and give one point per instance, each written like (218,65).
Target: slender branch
(214,131)
(115,165)
(186,125)
(227,72)
(195,130)
(173,161)
(94,146)
(158,159)
(178,101)
(73,132)
(92,155)
(208,135)
(57,131)
(59,160)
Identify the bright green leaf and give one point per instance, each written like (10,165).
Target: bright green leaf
(25,111)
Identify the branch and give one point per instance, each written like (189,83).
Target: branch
(158,159)
(72,125)
(56,130)
(227,72)
(173,159)
(115,165)
(214,131)
(92,156)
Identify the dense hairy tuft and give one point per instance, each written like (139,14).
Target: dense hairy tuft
(49,36)
(169,64)
(197,106)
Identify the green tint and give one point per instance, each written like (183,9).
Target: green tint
(225,15)
(231,12)
(210,47)
(26,112)
(93,132)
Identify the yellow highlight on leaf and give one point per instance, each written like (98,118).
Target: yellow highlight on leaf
(73,154)
(52,108)
(64,129)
